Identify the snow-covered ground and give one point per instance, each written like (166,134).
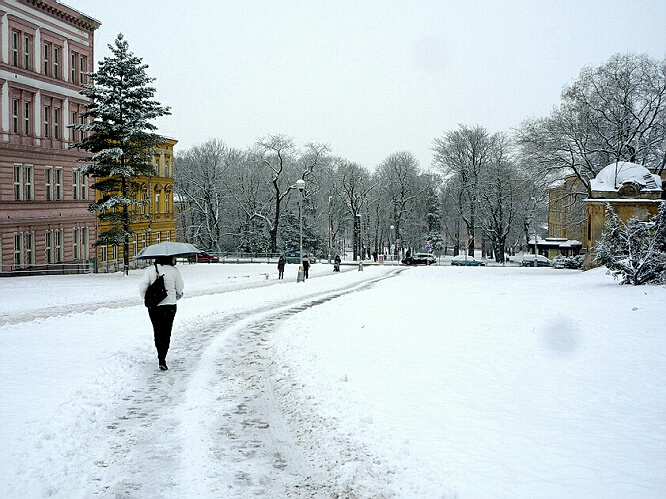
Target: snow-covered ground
(392,382)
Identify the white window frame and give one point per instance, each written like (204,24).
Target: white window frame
(58,183)
(29,247)
(76,175)
(76,234)
(85,243)
(18,182)
(18,249)
(16,37)
(29,182)
(47,122)
(26,117)
(56,62)
(48,181)
(48,246)
(16,113)
(58,245)
(56,123)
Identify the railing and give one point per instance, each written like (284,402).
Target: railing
(46,269)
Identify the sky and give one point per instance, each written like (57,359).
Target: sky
(368,78)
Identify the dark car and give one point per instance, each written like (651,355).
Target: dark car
(295,257)
(203,257)
(467,261)
(542,261)
(420,259)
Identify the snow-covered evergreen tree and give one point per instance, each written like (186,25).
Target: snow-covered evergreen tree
(120,137)
(634,251)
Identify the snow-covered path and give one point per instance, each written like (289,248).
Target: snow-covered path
(211,426)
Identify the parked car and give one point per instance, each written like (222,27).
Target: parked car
(203,257)
(468,261)
(420,259)
(542,261)
(295,257)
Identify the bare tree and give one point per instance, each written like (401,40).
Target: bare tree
(616,112)
(279,157)
(464,154)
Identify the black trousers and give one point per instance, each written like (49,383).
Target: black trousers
(162,319)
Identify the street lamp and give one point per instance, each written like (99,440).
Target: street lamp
(329,228)
(300,185)
(390,250)
(535,230)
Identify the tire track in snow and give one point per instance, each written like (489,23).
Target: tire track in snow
(211,426)
(248,447)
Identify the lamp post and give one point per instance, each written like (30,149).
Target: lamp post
(535,230)
(329,228)
(300,185)
(392,228)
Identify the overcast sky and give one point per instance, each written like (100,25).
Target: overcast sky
(369,78)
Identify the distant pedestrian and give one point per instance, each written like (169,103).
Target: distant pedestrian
(306,266)
(281,263)
(374,256)
(163,314)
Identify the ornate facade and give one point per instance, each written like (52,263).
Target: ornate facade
(45,50)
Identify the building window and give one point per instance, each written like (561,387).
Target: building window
(58,183)
(26,51)
(114,252)
(47,51)
(26,118)
(29,179)
(74,66)
(47,121)
(158,237)
(18,182)
(84,186)
(74,120)
(105,254)
(15,115)
(56,62)
(156,208)
(56,122)
(84,243)
(75,243)
(135,244)
(18,249)
(76,175)
(59,257)
(48,245)
(48,176)
(83,68)
(29,245)
(15,48)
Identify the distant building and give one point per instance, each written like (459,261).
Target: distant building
(567,214)
(157,223)
(45,50)
(631,190)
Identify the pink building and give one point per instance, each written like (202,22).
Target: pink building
(45,49)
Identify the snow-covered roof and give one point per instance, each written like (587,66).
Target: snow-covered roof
(614,175)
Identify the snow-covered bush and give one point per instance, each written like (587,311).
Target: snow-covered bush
(635,251)
(568,262)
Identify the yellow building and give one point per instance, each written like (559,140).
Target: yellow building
(156,222)
(631,190)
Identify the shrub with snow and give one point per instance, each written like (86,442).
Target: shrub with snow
(635,251)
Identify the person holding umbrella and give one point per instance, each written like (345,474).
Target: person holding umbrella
(163,314)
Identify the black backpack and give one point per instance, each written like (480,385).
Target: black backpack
(156,292)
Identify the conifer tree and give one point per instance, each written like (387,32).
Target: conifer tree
(636,250)
(119,135)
